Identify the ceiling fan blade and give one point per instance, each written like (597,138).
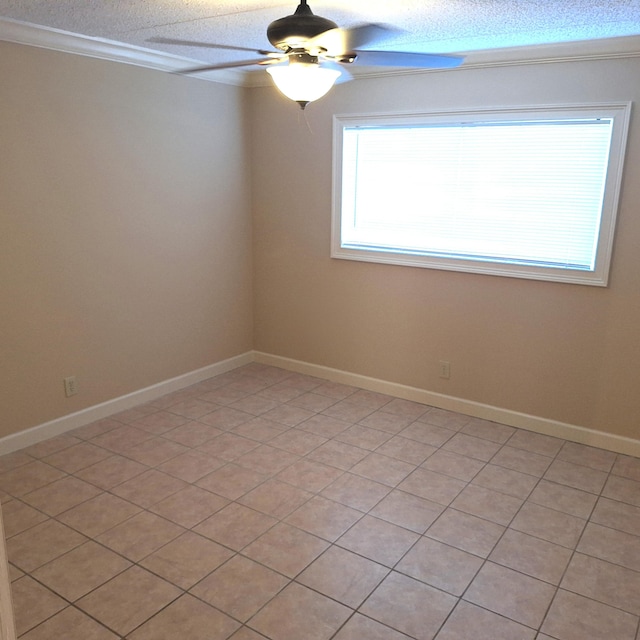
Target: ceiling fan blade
(402,59)
(207,45)
(337,42)
(230,65)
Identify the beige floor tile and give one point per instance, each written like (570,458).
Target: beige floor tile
(28,477)
(231,481)
(225,418)
(139,536)
(298,612)
(487,504)
(240,587)
(443,418)
(576,476)
(275,498)
(288,415)
(343,576)
(235,526)
(511,594)
(548,524)
(488,430)
(309,475)
(454,465)
(363,437)
(18,516)
(440,565)
(617,515)
(40,544)
(275,549)
(95,428)
(536,443)
(627,467)
(466,532)
(189,618)
(70,624)
(267,460)
(61,495)
(378,540)
(324,518)
(120,440)
(149,488)
(186,559)
(573,617)
(324,426)
(246,634)
(191,466)
(587,456)
(128,600)
(192,434)
(99,514)
(14,460)
(81,570)
(611,545)
(33,604)
(472,447)
(409,606)
(432,486)
(383,469)
(359,627)
(296,441)
(384,421)
(348,410)
(76,457)
(532,556)
(356,492)
(189,506)
(513,483)
(112,471)
(155,451)
(603,581)
(260,429)
(192,407)
(338,454)
(254,404)
(406,450)
(623,490)
(406,408)
(47,447)
(529,462)
(408,511)
(469,622)
(562,498)
(228,446)
(426,433)
(159,422)
(312,402)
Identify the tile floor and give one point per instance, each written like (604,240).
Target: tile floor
(265,504)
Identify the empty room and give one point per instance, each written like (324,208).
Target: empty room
(320,322)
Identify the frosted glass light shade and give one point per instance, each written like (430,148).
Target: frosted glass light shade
(302,82)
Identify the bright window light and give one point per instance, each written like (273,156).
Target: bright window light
(527,193)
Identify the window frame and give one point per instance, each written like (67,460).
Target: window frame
(619,112)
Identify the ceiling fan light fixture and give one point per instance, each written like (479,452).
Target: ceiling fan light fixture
(303,82)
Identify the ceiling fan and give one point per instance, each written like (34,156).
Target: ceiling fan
(312,50)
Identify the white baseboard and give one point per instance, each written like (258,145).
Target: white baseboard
(86,416)
(574,433)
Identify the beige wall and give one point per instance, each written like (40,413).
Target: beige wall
(125,236)
(564,352)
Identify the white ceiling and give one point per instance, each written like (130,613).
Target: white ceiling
(427,26)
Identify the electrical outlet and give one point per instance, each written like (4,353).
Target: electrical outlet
(445,369)
(70,386)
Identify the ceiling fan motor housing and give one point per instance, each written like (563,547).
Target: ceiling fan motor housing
(291,32)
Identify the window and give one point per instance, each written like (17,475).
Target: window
(530,193)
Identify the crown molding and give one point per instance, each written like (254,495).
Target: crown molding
(67,42)
(64,41)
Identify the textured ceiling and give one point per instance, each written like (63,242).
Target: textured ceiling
(428,26)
